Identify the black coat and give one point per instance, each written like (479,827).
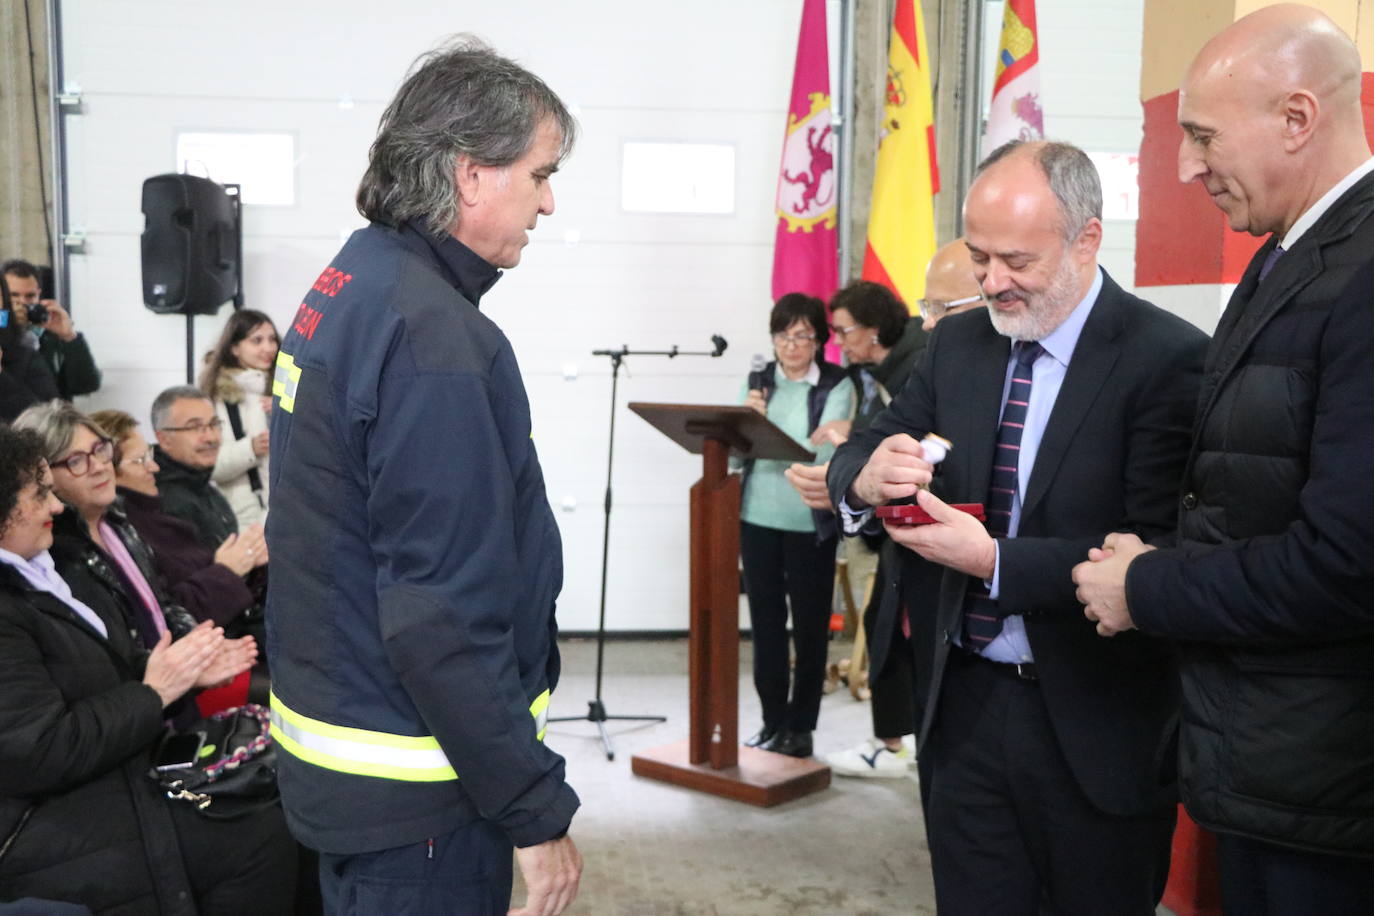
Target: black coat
(25,378)
(188,494)
(77,728)
(95,578)
(71,362)
(1109,460)
(1271,589)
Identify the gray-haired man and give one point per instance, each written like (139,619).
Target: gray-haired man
(410,615)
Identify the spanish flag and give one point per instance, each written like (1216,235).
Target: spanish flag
(901,223)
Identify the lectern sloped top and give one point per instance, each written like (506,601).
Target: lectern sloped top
(748,432)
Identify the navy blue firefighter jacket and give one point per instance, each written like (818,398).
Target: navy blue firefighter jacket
(415,559)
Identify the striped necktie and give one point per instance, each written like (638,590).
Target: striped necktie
(982,622)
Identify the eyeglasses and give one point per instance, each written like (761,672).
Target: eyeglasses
(141,460)
(796,340)
(935,309)
(842,333)
(195,428)
(79,463)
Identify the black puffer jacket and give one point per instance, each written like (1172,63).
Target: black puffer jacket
(79,819)
(1271,590)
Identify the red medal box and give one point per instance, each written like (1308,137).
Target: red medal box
(915,515)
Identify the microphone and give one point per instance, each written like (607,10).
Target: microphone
(719,343)
(757,379)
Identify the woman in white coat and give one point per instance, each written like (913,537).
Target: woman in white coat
(238,378)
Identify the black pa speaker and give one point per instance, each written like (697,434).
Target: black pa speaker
(190,245)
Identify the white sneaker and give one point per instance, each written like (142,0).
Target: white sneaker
(871,758)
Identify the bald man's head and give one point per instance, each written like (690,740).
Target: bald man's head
(1270,110)
(950,280)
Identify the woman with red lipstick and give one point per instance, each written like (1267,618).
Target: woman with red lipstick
(83,708)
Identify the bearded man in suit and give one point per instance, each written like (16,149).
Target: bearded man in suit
(1067,401)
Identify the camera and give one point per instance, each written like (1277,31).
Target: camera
(38,313)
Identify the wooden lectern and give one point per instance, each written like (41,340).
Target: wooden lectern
(711,759)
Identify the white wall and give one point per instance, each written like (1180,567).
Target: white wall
(713,70)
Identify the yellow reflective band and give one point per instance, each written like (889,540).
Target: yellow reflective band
(285,381)
(368,753)
(359,751)
(540,710)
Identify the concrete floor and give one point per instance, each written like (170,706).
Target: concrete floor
(652,848)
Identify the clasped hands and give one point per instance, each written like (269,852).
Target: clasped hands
(1101,582)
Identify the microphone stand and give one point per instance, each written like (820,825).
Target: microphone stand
(596,708)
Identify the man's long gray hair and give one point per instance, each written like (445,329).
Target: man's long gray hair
(459,100)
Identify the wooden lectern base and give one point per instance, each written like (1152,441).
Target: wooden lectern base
(761,778)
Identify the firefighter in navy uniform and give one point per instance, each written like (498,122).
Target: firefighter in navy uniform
(415,558)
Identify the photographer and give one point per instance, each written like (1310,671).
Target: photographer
(50,331)
(24,378)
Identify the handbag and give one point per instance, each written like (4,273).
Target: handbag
(235,768)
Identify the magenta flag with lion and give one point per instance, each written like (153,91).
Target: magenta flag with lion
(806,253)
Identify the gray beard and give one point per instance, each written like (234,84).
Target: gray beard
(1044,312)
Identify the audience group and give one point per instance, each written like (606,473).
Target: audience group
(129,583)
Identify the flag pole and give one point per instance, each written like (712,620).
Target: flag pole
(845,163)
(972,134)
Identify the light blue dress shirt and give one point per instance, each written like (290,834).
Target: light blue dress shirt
(1048,371)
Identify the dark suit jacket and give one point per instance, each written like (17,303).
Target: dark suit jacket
(1109,460)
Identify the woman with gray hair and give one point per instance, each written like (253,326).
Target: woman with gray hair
(83,709)
(96,549)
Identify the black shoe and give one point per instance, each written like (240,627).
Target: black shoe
(793,744)
(762,737)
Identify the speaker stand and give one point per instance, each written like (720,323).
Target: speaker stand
(190,349)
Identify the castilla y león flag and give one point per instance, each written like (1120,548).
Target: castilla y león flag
(806,251)
(901,223)
(1015,112)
